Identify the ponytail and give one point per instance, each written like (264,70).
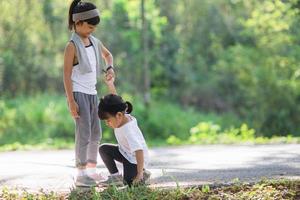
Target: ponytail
(111,104)
(129,108)
(71,11)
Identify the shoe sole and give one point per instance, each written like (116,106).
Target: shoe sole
(108,184)
(85,185)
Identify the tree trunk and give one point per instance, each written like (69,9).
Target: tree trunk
(146,73)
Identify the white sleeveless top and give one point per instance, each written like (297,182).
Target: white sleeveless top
(85,83)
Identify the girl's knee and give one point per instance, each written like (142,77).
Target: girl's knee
(103,148)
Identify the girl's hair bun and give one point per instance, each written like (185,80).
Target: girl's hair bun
(129,107)
(111,104)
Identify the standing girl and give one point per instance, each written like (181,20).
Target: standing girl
(82,58)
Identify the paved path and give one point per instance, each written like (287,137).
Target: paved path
(188,165)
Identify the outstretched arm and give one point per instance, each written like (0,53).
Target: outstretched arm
(108,60)
(109,80)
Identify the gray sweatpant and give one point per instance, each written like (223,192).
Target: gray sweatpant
(87,129)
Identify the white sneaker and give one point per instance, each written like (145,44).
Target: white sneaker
(84,181)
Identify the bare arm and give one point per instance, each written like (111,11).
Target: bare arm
(139,154)
(68,65)
(107,56)
(109,80)
(110,74)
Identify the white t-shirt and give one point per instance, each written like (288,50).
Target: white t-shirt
(131,139)
(85,83)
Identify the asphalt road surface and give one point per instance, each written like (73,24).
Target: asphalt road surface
(185,165)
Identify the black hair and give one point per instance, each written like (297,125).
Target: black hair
(111,104)
(77,6)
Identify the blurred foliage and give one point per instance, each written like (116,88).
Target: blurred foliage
(211,133)
(45,120)
(231,56)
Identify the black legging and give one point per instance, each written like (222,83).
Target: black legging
(109,153)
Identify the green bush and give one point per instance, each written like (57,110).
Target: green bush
(163,119)
(35,120)
(211,133)
(45,119)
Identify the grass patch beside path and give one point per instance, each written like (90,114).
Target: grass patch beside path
(47,145)
(61,144)
(265,189)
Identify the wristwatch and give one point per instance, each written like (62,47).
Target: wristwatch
(109,67)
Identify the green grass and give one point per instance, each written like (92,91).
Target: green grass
(43,122)
(48,145)
(263,190)
(211,133)
(172,141)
